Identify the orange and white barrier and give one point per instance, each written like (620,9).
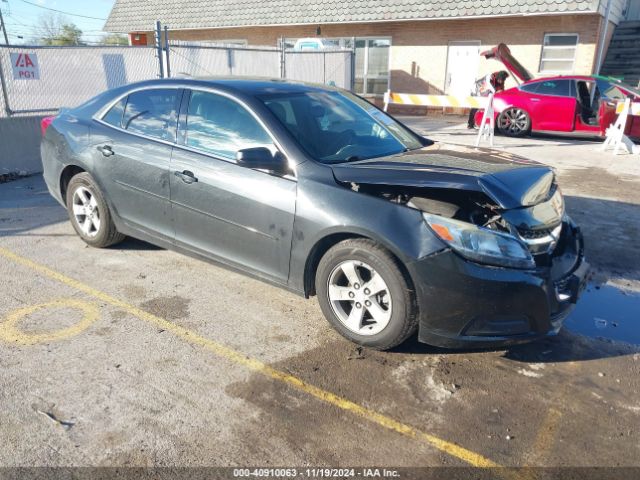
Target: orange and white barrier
(634,108)
(615,137)
(487,126)
(392,98)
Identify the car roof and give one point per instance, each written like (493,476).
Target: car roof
(253,86)
(567,77)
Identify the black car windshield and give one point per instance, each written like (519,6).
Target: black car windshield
(336,127)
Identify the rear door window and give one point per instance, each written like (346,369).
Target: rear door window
(559,88)
(221,126)
(152,113)
(114,115)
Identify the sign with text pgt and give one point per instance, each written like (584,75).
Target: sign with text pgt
(25,66)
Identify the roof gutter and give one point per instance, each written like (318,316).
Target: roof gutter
(352,22)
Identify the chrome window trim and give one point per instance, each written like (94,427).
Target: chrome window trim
(102,111)
(99,115)
(140,135)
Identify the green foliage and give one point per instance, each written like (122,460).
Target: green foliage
(115,39)
(57,30)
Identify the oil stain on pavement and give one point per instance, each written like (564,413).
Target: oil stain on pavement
(170,308)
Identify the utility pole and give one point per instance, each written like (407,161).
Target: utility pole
(4,29)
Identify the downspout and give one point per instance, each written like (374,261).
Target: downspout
(603,37)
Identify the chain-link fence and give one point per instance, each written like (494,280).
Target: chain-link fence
(202,61)
(68,76)
(333,67)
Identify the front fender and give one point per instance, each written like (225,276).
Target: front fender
(398,228)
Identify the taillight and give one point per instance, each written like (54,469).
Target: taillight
(44,124)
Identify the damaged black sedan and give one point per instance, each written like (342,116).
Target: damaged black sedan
(315,190)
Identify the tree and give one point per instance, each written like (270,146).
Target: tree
(57,30)
(115,39)
(70,35)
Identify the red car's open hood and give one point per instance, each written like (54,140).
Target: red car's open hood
(503,54)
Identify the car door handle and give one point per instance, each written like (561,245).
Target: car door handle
(535,99)
(186,176)
(106,150)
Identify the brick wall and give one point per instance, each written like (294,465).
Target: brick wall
(419,48)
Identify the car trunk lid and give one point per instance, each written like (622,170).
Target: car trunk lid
(502,53)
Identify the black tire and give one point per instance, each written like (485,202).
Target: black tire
(404,312)
(514,122)
(104,236)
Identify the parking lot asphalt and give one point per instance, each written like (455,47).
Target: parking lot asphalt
(138,356)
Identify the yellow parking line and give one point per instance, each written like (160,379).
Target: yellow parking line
(452,449)
(548,430)
(546,435)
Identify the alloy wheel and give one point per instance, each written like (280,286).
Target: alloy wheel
(513,121)
(86,212)
(359,297)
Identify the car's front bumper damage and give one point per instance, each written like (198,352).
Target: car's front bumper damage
(469,305)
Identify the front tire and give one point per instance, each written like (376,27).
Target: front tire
(89,212)
(365,295)
(514,122)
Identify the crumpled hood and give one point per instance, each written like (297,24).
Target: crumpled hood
(509,180)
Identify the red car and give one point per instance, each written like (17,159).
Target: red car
(571,104)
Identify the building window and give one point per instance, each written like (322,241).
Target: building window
(372,61)
(372,66)
(558,52)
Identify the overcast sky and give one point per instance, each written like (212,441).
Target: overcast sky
(21,16)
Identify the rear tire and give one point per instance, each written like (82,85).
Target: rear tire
(365,295)
(514,122)
(89,213)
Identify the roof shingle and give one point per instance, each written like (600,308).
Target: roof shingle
(136,15)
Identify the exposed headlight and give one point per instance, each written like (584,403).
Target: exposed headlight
(481,244)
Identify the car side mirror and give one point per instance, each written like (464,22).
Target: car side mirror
(261,158)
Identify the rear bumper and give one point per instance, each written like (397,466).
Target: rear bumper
(468,305)
(51,169)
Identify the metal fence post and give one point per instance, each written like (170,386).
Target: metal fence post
(159,48)
(324,67)
(166,50)
(353,64)
(3,84)
(283,61)
(230,60)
